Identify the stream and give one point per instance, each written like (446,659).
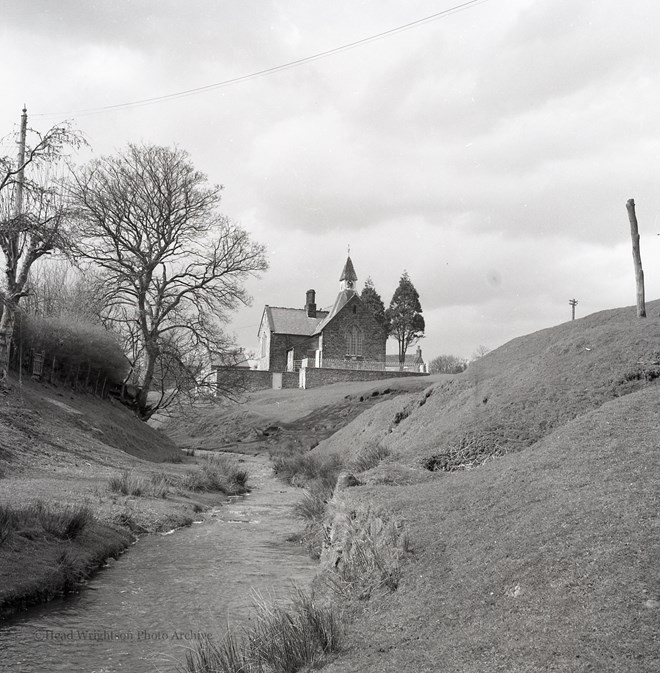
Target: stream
(143,612)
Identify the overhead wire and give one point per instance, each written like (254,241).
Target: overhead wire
(271,70)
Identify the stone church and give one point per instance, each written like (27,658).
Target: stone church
(346,336)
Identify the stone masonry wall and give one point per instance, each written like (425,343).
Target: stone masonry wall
(354,313)
(313,378)
(281,343)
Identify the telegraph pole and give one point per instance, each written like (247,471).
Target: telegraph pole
(573,303)
(637,259)
(18,206)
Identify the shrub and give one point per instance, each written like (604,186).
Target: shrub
(74,343)
(472,450)
(280,640)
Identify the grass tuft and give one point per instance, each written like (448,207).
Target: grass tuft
(369,456)
(371,549)
(300,468)
(279,640)
(217,473)
(127,483)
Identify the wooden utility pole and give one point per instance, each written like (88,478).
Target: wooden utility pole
(573,303)
(637,259)
(18,205)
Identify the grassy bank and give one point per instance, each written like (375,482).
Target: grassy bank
(46,551)
(79,478)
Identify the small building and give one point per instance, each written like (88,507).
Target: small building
(345,336)
(414,362)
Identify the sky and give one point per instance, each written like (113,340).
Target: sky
(489,152)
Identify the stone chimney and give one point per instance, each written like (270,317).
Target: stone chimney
(310,304)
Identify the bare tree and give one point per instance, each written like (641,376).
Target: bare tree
(447,364)
(32,216)
(173,268)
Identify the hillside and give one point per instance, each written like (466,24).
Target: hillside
(59,518)
(545,557)
(517,394)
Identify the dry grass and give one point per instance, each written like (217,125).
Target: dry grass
(217,472)
(299,468)
(279,640)
(369,547)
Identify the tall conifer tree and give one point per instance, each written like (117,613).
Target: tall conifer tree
(372,299)
(405,316)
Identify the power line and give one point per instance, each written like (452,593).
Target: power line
(269,71)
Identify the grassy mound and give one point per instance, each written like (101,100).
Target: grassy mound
(538,561)
(530,489)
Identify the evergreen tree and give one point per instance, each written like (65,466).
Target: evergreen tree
(405,316)
(372,299)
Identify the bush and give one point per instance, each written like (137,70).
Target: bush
(280,640)
(75,344)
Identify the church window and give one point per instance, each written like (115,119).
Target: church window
(354,339)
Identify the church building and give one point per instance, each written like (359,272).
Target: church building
(344,337)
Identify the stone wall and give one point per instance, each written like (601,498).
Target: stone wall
(290,380)
(313,378)
(281,343)
(244,380)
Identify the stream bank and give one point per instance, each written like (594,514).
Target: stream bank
(144,610)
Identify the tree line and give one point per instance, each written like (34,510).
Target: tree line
(153,259)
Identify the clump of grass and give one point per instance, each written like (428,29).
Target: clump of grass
(300,468)
(159,485)
(280,640)
(371,547)
(7,522)
(369,456)
(39,519)
(127,483)
(217,473)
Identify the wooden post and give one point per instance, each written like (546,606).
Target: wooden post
(637,259)
(573,303)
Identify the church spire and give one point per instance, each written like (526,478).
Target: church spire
(348,276)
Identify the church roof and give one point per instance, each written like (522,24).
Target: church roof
(349,271)
(342,299)
(293,320)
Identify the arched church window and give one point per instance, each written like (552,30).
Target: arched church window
(354,341)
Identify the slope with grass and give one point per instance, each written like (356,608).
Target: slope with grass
(78,477)
(544,555)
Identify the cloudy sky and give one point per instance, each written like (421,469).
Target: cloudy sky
(489,152)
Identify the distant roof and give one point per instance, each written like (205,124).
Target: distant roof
(293,320)
(411,359)
(349,271)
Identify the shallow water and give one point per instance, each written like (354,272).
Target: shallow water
(147,608)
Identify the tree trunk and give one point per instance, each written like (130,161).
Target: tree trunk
(637,259)
(147,380)
(6,333)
